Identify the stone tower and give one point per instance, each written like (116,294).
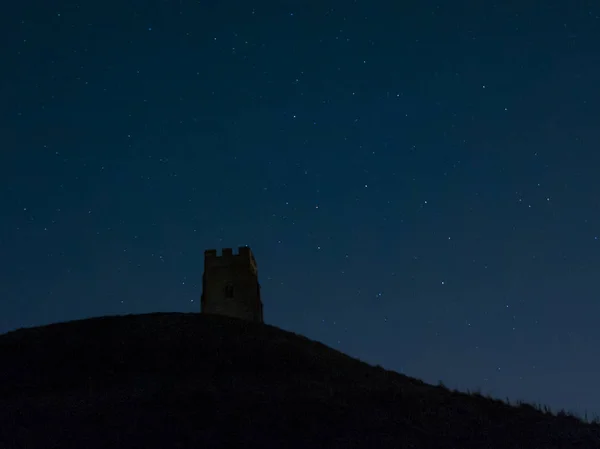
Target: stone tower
(230,285)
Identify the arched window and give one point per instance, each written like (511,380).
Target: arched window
(229,290)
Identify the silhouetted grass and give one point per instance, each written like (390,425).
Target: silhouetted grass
(188,380)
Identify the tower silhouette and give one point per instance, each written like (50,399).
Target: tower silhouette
(230,285)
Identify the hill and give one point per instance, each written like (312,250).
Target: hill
(197,381)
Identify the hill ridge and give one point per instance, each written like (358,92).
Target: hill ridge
(186,380)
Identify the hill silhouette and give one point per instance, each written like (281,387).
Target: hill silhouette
(171,380)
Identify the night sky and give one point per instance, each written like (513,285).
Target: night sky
(417,180)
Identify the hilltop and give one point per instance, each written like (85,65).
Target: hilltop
(199,381)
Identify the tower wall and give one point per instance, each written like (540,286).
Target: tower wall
(230,285)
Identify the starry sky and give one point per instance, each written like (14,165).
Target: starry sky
(417,180)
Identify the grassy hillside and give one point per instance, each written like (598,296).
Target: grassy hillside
(195,381)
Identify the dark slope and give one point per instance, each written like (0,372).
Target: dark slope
(194,381)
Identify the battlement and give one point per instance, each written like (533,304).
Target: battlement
(227,257)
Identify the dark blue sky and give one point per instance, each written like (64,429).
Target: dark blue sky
(418,181)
